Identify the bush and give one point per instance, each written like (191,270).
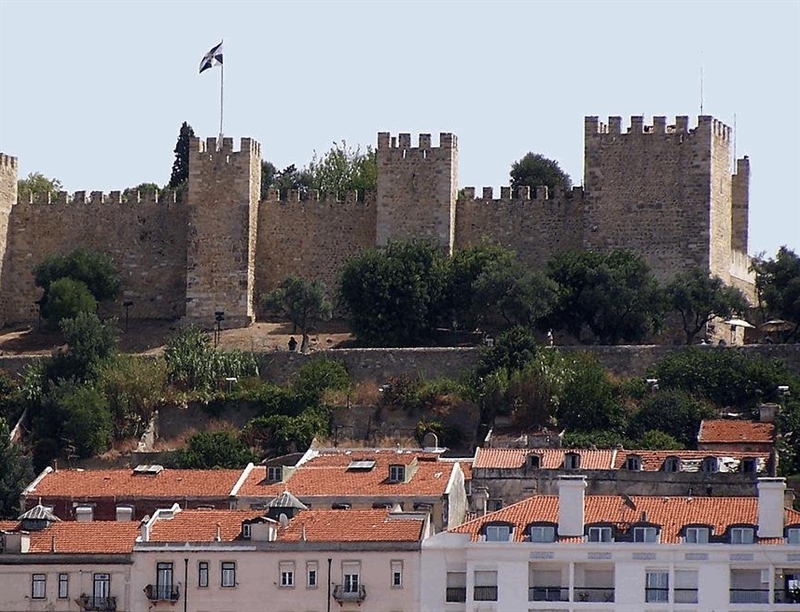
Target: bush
(211,450)
(673,412)
(321,375)
(66,299)
(90,342)
(280,434)
(589,400)
(132,386)
(512,350)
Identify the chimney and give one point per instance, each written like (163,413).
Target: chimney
(570,505)
(144,528)
(770,507)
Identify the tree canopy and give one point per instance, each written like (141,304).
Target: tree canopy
(180,167)
(534,170)
(38,184)
(16,471)
(698,298)
(302,302)
(778,288)
(344,168)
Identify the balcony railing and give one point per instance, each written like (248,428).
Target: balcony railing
(682,595)
(97,604)
(656,595)
(749,596)
(485,593)
(594,594)
(783,596)
(357,594)
(161,592)
(548,593)
(456,594)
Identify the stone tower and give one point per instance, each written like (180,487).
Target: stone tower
(666,192)
(417,188)
(8,197)
(224,188)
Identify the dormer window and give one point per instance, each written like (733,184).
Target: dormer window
(633,463)
(741,535)
(599,534)
(710,465)
(274,473)
(749,465)
(672,464)
(397,473)
(534,461)
(793,535)
(497,533)
(247,531)
(542,533)
(695,535)
(645,534)
(340,506)
(572,461)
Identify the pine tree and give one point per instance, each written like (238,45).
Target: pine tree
(180,168)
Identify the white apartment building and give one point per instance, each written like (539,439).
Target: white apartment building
(573,552)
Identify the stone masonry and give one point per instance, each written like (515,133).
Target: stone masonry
(666,191)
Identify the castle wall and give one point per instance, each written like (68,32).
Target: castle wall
(311,238)
(720,184)
(417,189)
(145,237)
(648,190)
(740,195)
(535,228)
(224,187)
(8,195)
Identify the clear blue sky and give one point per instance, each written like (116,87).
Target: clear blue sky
(93,93)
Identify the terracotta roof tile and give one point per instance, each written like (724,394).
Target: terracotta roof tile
(327,475)
(732,430)
(550,458)
(169,483)
(201,526)
(97,537)
(672,513)
(352,526)
(653,461)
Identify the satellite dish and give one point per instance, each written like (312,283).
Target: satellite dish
(283,520)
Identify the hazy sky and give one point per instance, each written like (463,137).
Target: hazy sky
(93,93)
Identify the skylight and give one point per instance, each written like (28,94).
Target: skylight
(361,464)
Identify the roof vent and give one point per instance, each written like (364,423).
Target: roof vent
(148,469)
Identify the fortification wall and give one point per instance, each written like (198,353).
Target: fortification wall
(224,186)
(740,194)
(648,190)
(144,235)
(534,227)
(417,188)
(8,196)
(311,238)
(720,185)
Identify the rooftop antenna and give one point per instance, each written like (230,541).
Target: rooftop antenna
(734,138)
(702,97)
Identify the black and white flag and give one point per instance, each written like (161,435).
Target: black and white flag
(212,58)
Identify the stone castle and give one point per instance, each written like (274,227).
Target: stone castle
(668,192)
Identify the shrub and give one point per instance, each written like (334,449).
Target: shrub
(218,449)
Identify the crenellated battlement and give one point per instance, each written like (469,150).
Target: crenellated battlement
(212,147)
(705,124)
(403,141)
(7,161)
(523,195)
(98,198)
(314,196)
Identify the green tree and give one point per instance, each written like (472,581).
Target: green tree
(534,170)
(302,302)
(180,167)
(654,439)
(16,471)
(394,295)
(698,298)
(464,268)
(614,294)
(344,169)
(519,295)
(89,343)
(279,434)
(38,184)
(132,385)
(292,178)
(511,351)
(778,289)
(268,175)
(65,299)
(589,399)
(215,450)
(321,375)
(94,269)
(673,412)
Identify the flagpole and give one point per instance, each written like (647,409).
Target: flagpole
(221,90)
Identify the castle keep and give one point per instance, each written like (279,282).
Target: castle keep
(669,192)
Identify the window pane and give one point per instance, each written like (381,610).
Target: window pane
(38,586)
(63,586)
(793,536)
(497,533)
(228,574)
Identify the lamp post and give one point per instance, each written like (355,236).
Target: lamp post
(219,317)
(127,304)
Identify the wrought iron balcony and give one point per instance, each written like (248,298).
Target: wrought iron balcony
(594,594)
(749,596)
(456,594)
(484,593)
(97,604)
(548,593)
(161,592)
(357,594)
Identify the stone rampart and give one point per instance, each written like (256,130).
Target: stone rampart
(311,238)
(534,227)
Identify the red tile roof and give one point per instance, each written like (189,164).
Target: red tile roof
(98,537)
(327,475)
(169,484)
(352,526)
(672,513)
(653,461)
(550,458)
(201,526)
(732,430)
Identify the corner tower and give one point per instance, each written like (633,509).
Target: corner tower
(417,188)
(664,191)
(8,197)
(224,188)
